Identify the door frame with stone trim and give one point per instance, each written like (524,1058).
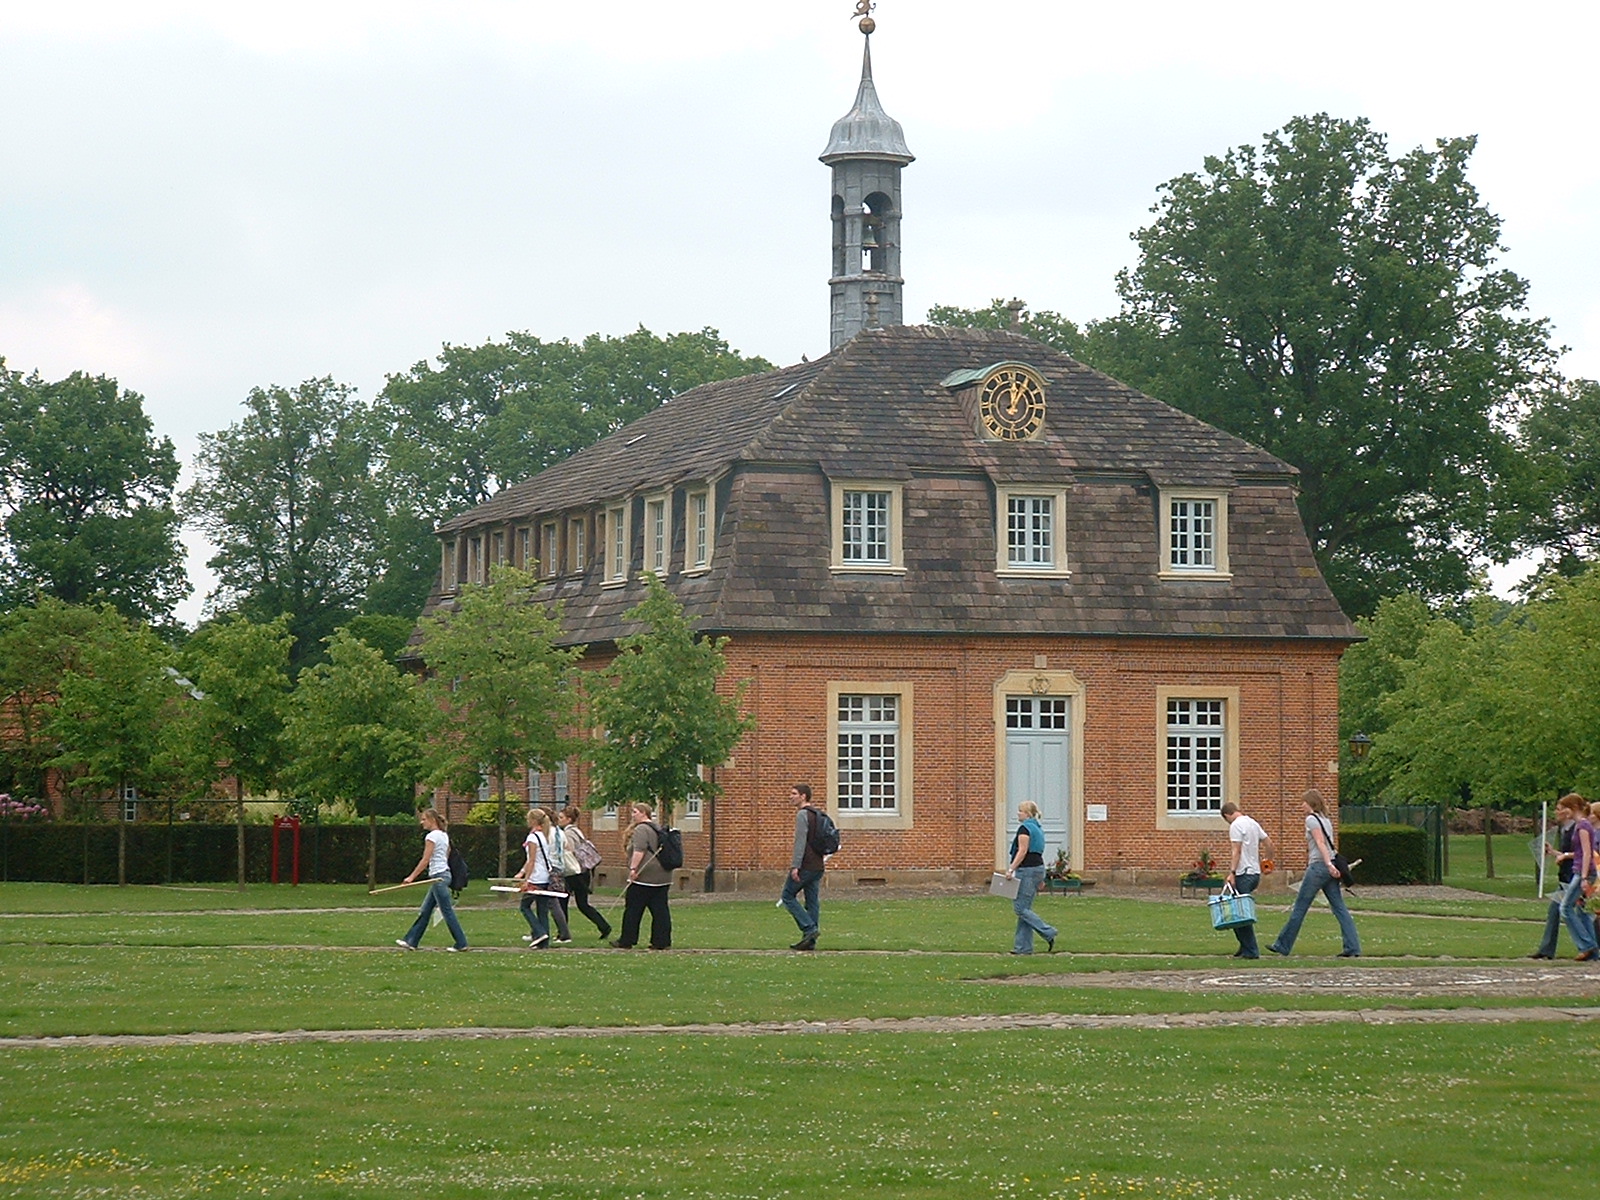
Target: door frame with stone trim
(1041,682)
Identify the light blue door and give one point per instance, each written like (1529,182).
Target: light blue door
(1038,750)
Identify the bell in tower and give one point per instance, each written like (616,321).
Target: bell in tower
(866,152)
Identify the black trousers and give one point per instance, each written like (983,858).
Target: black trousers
(641,896)
(578,890)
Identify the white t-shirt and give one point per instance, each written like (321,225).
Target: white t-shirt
(1249,834)
(438,853)
(538,867)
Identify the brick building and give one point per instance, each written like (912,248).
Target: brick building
(959,569)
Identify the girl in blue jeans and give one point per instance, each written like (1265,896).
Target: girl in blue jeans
(1320,877)
(1027,868)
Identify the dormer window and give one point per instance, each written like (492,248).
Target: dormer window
(866,526)
(657,534)
(616,544)
(1029,538)
(1194,534)
(697,535)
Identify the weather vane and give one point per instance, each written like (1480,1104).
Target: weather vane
(863,10)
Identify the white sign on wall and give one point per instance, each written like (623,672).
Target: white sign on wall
(1094,812)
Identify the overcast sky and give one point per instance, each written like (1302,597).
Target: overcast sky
(202,197)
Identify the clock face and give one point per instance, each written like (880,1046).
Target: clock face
(1011,403)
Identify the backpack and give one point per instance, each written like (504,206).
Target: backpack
(824,837)
(458,872)
(669,848)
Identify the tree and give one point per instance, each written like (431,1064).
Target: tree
(1048,327)
(1342,308)
(86,494)
(661,714)
(111,722)
(1558,510)
(241,669)
(287,495)
(501,688)
(39,644)
(1369,673)
(492,415)
(355,732)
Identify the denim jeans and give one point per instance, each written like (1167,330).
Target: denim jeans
(808,918)
(438,897)
(1579,924)
(1029,880)
(1244,885)
(1318,879)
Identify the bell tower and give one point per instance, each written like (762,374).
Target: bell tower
(866,153)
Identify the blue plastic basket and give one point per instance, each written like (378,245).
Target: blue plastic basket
(1229,909)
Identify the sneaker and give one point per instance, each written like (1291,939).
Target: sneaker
(527,937)
(1349,954)
(1540,954)
(403,944)
(1022,953)
(809,942)
(1277,949)
(538,943)
(564,941)
(455,949)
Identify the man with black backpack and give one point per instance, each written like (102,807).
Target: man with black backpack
(815,837)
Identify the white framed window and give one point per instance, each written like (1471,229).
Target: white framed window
(499,548)
(689,816)
(869,752)
(1194,534)
(130,803)
(697,531)
(525,548)
(1199,754)
(1029,539)
(560,793)
(483,787)
(867,526)
(447,567)
(577,545)
(657,533)
(475,559)
(617,539)
(549,551)
(535,787)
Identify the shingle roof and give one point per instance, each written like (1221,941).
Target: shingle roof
(875,409)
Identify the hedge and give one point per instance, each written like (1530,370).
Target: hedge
(1388,853)
(190,852)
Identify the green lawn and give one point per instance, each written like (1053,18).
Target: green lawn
(1362,1110)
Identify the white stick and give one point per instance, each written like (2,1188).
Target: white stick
(397,886)
(1544,832)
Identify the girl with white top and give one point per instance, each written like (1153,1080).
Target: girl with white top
(435,863)
(537,901)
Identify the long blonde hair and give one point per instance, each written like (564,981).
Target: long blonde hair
(1315,802)
(634,821)
(538,819)
(437,817)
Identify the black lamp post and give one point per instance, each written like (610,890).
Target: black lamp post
(1360,746)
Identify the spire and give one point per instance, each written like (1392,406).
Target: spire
(866,153)
(866,131)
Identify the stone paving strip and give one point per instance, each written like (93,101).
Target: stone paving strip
(897,1025)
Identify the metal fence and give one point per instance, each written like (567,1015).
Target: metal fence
(1429,817)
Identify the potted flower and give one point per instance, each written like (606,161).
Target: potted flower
(1060,877)
(1203,868)
(1203,873)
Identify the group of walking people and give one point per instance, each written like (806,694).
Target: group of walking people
(560,862)
(558,871)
